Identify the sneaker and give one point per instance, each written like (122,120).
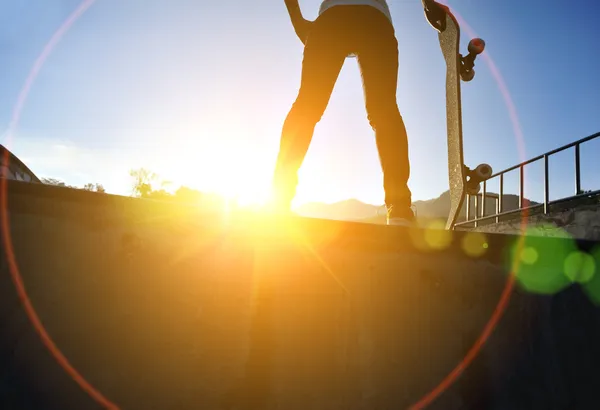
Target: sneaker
(400,217)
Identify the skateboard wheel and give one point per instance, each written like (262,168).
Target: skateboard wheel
(467,76)
(476,46)
(483,172)
(473,189)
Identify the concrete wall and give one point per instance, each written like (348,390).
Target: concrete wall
(160,307)
(582,222)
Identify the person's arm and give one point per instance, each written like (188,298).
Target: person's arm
(301,25)
(294,10)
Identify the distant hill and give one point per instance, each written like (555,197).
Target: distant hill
(348,210)
(437,208)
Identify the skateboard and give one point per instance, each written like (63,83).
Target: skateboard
(463,180)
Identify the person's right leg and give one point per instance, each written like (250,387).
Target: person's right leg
(324,56)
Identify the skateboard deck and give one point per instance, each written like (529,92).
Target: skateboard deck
(462,180)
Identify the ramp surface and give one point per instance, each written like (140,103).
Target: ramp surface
(160,306)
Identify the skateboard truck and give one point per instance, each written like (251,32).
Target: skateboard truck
(475,47)
(476,176)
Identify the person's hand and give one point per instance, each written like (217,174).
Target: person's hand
(302,29)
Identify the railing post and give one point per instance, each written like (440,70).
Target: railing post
(501,194)
(546,185)
(476,210)
(497,209)
(483,197)
(577,170)
(468,210)
(521,186)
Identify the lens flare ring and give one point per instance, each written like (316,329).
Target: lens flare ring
(90,389)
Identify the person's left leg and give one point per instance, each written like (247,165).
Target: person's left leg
(377,53)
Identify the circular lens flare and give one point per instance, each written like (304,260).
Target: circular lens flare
(93,392)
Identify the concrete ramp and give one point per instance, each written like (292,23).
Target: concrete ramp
(150,305)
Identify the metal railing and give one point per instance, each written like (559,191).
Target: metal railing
(480,211)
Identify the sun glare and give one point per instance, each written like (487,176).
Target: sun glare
(240,176)
(240,181)
(249,199)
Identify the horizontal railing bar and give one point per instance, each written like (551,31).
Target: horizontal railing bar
(539,157)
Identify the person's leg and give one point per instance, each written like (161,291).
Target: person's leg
(378,61)
(324,56)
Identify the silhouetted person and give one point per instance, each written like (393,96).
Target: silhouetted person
(347,28)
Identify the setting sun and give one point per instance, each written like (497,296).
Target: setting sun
(208,162)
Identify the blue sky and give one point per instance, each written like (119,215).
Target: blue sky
(198,90)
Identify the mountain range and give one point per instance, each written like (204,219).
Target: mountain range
(437,208)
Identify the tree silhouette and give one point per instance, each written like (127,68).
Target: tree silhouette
(142,182)
(145,181)
(55,182)
(94,188)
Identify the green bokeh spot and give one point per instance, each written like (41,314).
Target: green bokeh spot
(529,255)
(580,267)
(592,287)
(539,262)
